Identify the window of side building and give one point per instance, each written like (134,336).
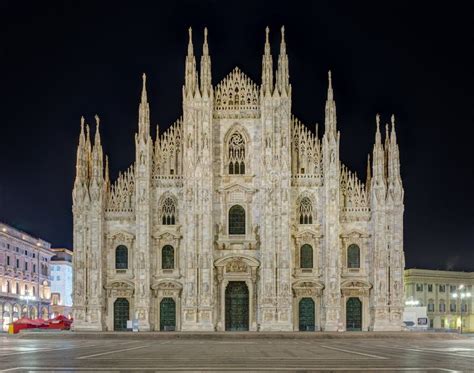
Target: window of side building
(430,288)
(442,288)
(419,287)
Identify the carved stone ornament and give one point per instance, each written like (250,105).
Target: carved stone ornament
(236,265)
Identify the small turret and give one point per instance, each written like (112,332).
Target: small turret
(267,67)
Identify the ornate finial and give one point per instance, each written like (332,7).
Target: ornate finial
(205,47)
(377,120)
(97,120)
(393,121)
(330,91)
(144,95)
(267,33)
(190,44)
(82,124)
(282,33)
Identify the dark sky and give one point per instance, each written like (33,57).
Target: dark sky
(58,62)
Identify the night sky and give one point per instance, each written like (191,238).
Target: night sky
(58,62)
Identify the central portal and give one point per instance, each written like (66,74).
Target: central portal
(237,306)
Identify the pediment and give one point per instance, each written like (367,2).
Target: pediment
(307,232)
(121,236)
(355,234)
(308,284)
(236,261)
(236,187)
(167,285)
(120,285)
(168,235)
(356,284)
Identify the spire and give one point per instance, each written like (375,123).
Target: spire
(368,175)
(283,75)
(144,113)
(190,80)
(378,164)
(81,159)
(267,66)
(330,122)
(394,177)
(206,77)
(107,177)
(97,142)
(97,155)
(144,95)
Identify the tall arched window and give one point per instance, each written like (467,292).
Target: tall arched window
(442,306)
(236,220)
(167,257)
(168,211)
(353,256)
(236,154)
(17,288)
(306,211)
(306,256)
(121,257)
(9,289)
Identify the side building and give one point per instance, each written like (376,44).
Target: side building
(24,276)
(61,282)
(448,296)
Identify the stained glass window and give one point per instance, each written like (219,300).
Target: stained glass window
(306,211)
(167,257)
(236,220)
(353,256)
(168,212)
(236,154)
(121,257)
(306,256)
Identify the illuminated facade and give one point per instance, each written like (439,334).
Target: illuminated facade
(24,276)
(440,292)
(238,217)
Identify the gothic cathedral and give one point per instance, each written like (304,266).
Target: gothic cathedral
(238,218)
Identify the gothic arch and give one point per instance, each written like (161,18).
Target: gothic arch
(236,151)
(305,209)
(168,209)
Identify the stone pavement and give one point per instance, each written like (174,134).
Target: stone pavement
(191,352)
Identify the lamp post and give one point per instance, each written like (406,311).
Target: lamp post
(461,294)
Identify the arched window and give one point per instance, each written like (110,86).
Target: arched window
(353,256)
(168,212)
(17,288)
(26,290)
(306,211)
(167,257)
(306,256)
(236,154)
(121,257)
(236,220)
(9,289)
(431,305)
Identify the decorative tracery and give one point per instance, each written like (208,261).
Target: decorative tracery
(305,211)
(236,154)
(168,211)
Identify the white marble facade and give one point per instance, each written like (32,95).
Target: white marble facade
(243,193)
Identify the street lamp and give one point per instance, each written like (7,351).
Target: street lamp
(461,294)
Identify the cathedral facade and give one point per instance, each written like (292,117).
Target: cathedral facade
(238,217)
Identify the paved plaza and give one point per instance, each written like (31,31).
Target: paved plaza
(119,353)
